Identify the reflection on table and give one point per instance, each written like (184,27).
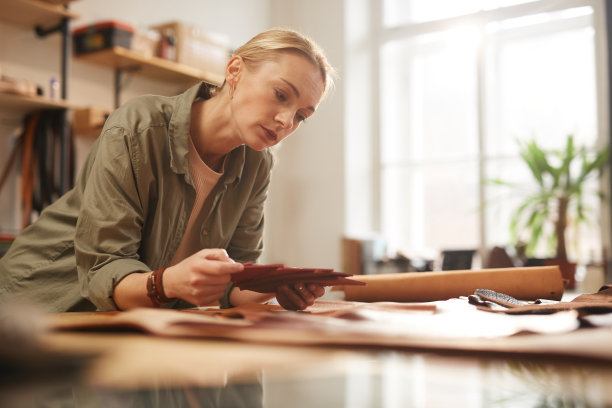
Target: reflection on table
(122,365)
(136,370)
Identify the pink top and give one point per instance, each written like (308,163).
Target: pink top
(204,179)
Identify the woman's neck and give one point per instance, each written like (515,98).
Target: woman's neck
(211,130)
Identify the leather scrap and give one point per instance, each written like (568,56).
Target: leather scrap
(604,294)
(592,303)
(487,295)
(268,278)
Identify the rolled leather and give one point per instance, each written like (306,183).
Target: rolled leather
(525,283)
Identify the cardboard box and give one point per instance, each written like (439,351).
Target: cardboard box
(197,47)
(352,260)
(89,121)
(145,42)
(17,86)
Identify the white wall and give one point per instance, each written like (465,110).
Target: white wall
(306,206)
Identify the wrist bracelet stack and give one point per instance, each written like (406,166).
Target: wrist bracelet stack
(155,288)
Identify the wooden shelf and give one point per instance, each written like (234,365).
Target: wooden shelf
(31,13)
(26,104)
(152,67)
(45,18)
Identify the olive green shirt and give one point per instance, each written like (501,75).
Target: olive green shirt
(129,209)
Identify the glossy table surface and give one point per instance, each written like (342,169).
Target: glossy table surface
(128,369)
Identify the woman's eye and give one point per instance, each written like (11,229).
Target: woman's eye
(300,118)
(280,95)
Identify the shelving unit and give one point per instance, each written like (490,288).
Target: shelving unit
(44,18)
(152,67)
(20,104)
(124,60)
(32,13)
(47,18)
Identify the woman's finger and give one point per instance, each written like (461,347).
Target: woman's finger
(305,294)
(218,254)
(316,290)
(289,298)
(218,267)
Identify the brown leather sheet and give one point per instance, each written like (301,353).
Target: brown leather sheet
(268,278)
(452,325)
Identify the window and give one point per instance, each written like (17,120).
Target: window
(453,86)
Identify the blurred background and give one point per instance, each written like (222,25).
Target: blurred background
(396,169)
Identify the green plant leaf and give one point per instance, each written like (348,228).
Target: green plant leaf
(560,175)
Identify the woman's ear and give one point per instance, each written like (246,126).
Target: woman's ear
(233,70)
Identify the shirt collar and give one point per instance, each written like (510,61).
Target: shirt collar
(178,136)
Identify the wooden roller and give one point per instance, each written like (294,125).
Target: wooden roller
(528,283)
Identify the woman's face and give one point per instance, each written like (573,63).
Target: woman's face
(270,101)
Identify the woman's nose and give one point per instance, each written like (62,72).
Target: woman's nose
(285,118)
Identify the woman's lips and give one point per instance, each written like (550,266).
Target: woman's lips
(271,134)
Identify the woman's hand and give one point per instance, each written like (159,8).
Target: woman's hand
(298,296)
(201,278)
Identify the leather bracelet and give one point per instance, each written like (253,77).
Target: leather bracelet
(151,290)
(159,286)
(155,288)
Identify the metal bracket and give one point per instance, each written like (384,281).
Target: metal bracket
(65,144)
(119,85)
(61,27)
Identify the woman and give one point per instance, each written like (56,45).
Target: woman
(170,200)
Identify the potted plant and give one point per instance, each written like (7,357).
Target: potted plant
(560,177)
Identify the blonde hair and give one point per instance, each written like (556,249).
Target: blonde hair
(268,44)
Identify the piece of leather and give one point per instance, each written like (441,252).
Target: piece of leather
(604,294)
(487,295)
(591,303)
(268,278)
(28,169)
(40,144)
(10,163)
